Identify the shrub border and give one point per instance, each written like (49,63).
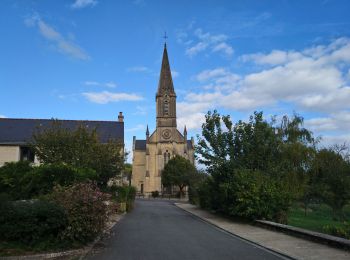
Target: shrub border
(82,252)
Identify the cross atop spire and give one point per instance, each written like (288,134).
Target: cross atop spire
(165,37)
(165,84)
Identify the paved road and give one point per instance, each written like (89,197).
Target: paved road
(159,230)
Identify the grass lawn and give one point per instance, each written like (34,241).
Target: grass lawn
(318,216)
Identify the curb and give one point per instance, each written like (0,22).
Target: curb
(273,251)
(75,252)
(329,240)
(99,238)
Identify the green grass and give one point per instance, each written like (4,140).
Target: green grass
(318,216)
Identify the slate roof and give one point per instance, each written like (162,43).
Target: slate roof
(189,144)
(19,131)
(141,145)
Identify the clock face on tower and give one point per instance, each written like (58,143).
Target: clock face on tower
(166,134)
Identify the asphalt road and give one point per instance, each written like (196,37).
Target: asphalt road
(159,230)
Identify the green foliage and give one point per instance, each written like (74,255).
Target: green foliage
(343,231)
(21,181)
(178,171)
(42,179)
(79,148)
(31,222)
(86,211)
(124,194)
(155,194)
(196,183)
(316,218)
(11,175)
(331,174)
(270,161)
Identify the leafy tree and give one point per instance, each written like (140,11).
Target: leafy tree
(178,171)
(79,148)
(332,176)
(281,152)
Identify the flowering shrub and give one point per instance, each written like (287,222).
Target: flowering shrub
(86,210)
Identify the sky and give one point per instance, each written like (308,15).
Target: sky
(91,59)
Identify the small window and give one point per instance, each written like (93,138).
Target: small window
(166,107)
(26,154)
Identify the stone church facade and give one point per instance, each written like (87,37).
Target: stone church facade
(151,154)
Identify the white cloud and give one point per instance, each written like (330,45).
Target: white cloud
(336,121)
(174,74)
(2,116)
(190,113)
(314,79)
(79,4)
(92,83)
(204,41)
(139,69)
(139,127)
(224,47)
(140,110)
(109,84)
(105,97)
(59,42)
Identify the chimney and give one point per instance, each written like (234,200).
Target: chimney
(120,117)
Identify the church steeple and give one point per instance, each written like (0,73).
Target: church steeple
(166,97)
(165,84)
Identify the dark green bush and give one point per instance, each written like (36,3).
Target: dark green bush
(31,222)
(248,194)
(86,210)
(41,180)
(155,194)
(11,175)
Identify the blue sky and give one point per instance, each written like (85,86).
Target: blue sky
(90,59)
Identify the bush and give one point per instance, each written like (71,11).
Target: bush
(155,194)
(343,231)
(41,180)
(248,194)
(86,211)
(10,178)
(124,194)
(31,222)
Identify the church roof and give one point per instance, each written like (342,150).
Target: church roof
(140,145)
(165,80)
(20,131)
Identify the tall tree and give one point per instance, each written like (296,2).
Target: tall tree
(79,148)
(179,172)
(332,176)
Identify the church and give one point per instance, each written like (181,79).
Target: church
(151,154)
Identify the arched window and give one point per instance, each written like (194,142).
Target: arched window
(166,157)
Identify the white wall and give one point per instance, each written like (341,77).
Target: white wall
(9,154)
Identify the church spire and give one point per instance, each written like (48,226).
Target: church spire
(165,84)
